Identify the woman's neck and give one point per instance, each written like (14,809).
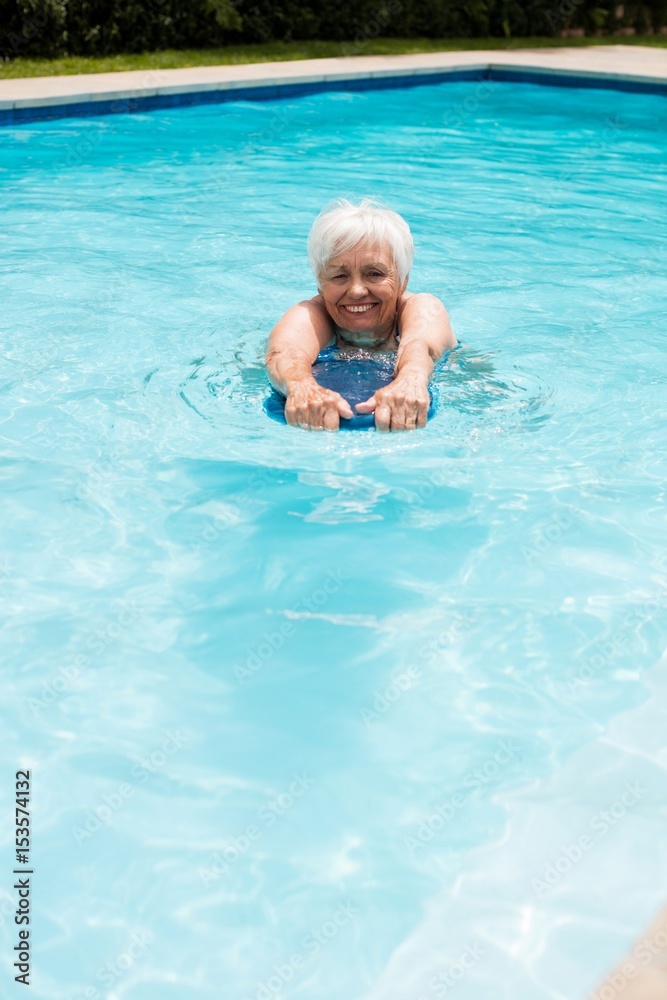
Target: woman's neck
(370,340)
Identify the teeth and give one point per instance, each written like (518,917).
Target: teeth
(360,309)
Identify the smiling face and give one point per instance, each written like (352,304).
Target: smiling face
(361,290)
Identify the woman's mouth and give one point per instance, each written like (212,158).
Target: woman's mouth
(364,307)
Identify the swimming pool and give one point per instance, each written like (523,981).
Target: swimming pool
(336,716)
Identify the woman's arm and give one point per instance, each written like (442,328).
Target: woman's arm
(294,344)
(426,334)
(425,330)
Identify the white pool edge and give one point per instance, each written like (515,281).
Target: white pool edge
(625,63)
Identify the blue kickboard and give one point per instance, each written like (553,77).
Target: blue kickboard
(356,379)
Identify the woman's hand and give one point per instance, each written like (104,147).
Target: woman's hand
(400,406)
(314,408)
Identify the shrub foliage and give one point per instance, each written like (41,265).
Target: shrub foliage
(53,28)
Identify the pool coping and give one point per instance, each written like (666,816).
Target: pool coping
(640,69)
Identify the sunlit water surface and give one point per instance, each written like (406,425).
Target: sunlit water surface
(325,716)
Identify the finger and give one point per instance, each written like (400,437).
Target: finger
(331,420)
(291,416)
(303,418)
(315,415)
(398,417)
(368,406)
(344,408)
(411,414)
(382,417)
(422,415)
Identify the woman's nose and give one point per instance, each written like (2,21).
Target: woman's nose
(358,288)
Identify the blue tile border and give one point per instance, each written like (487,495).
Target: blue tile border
(259,92)
(511,75)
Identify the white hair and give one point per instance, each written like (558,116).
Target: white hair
(343,225)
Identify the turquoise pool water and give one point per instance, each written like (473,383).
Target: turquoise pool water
(335,716)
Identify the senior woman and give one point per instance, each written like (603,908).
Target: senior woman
(361,256)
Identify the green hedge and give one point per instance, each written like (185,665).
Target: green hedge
(51,28)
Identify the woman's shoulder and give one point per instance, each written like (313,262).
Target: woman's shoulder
(315,309)
(402,302)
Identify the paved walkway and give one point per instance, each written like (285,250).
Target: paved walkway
(629,62)
(642,975)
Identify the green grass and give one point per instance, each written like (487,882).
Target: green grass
(281,51)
